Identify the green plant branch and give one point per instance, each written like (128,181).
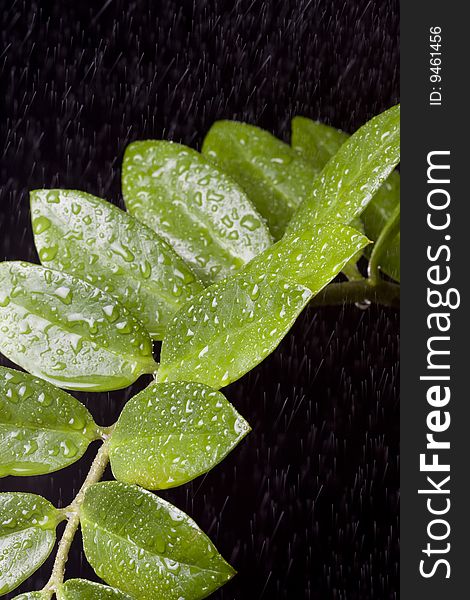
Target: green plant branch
(73,515)
(359,291)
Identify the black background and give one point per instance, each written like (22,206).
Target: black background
(307,506)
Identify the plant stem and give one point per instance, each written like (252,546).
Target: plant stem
(359,291)
(73,514)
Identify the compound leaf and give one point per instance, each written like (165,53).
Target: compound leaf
(172,432)
(42,428)
(68,332)
(200,211)
(90,238)
(233,325)
(317,143)
(354,174)
(81,589)
(273,175)
(27,536)
(143,545)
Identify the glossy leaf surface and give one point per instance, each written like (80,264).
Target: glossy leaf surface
(88,237)
(81,589)
(315,141)
(233,325)
(273,175)
(42,428)
(318,143)
(354,174)
(172,432)
(143,545)
(68,332)
(200,211)
(27,536)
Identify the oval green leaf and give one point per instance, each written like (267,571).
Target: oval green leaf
(27,536)
(146,547)
(273,175)
(81,589)
(200,211)
(68,332)
(233,325)
(42,428)
(317,143)
(354,174)
(230,328)
(172,432)
(90,238)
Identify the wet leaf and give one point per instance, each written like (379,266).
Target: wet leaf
(81,589)
(143,545)
(385,249)
(68,332)
(230,328)
(42,428)
(233,325)
(312,258)
(200,211)
(317,143)
(172,432)
(354,174)
(27,536)
(275,178)
(375,218)
(88,237)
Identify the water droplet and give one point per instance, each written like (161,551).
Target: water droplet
(69,449)
(65,294)
(4,299)
(48,253)
(249,222)
(44,400)
(41,224)
(145,269)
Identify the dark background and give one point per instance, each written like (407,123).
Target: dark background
(307,506)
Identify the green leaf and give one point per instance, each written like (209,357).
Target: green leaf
(27,536)
(88,237)
(42,428)
(384,251)
(143,545)
(317,143)
(194,206)
(172,432)
(68,332)
(273,175)
(354,174)
(81,589)
(233,325)
(376,217)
